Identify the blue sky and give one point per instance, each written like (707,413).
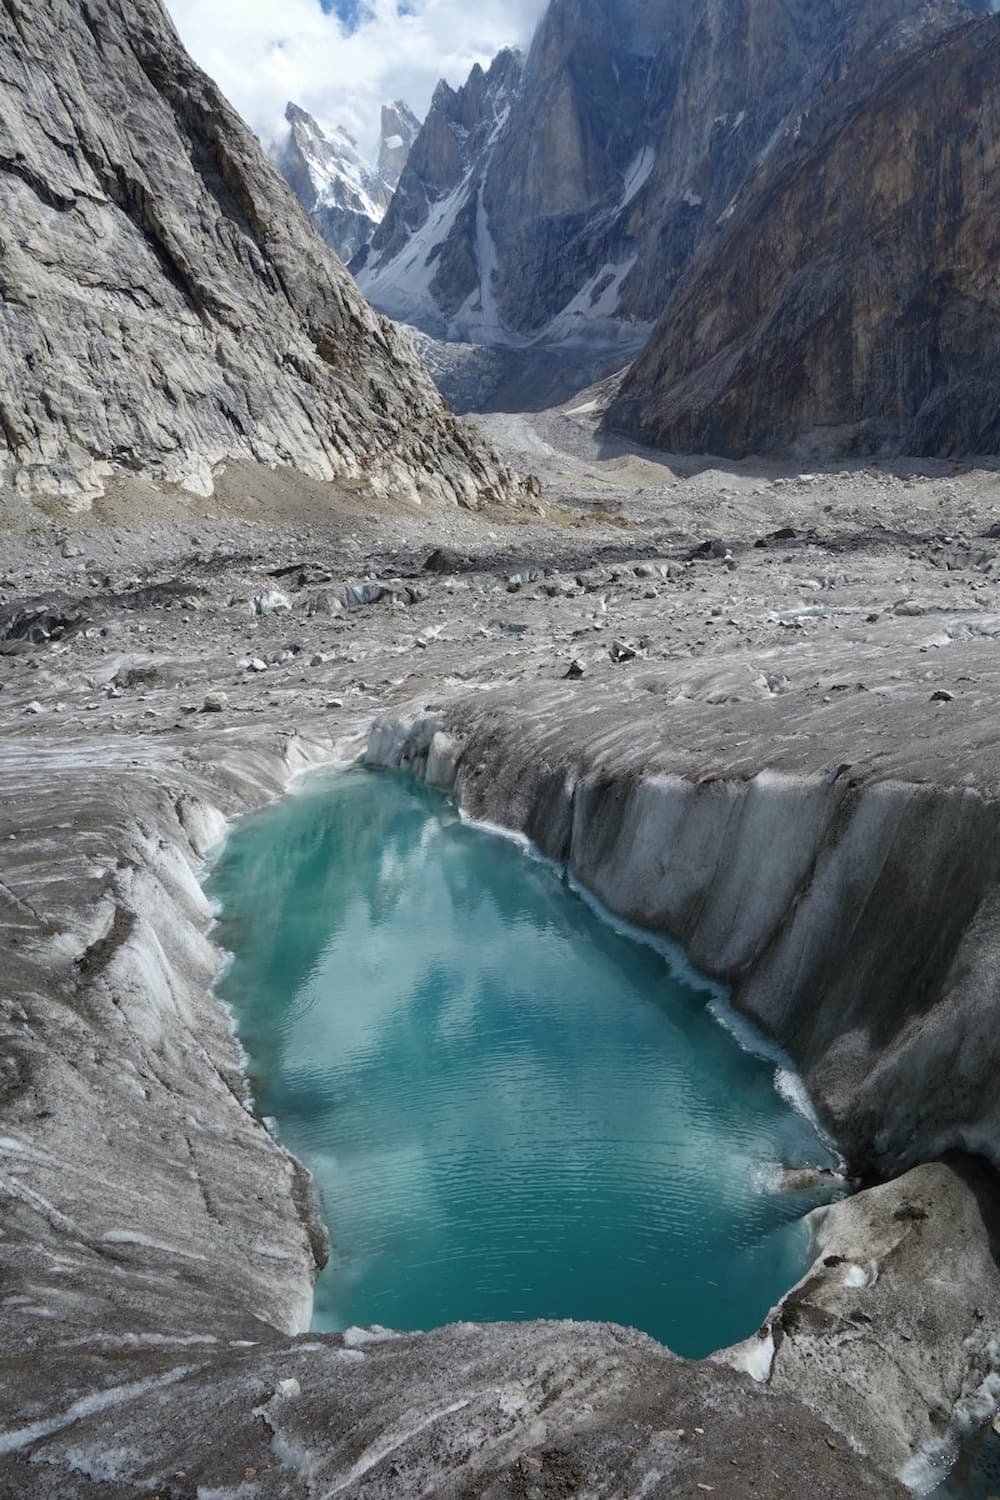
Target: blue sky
(347,10)
(340,59)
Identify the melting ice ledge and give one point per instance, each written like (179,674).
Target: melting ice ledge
(747,1036)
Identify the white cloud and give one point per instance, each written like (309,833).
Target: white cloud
(264,52)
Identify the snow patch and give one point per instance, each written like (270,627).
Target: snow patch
(339,174)
(293,1455)
(861,1277)
(600,295)
(637,175)
(755,1356)
(401,286)
(355,1338)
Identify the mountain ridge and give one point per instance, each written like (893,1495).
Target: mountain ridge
(345,195)
(628,132)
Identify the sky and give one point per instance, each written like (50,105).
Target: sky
(341,59)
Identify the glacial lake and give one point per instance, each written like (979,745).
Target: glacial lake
(512,1107)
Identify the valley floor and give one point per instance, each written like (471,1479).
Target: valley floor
(160,675)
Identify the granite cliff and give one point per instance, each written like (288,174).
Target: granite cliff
(423,263)
(850,303)
(165,305)
(399,129)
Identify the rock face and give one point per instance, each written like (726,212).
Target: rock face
(570,214)
(873,1273)
(850,303)
(166,306)
(400,128)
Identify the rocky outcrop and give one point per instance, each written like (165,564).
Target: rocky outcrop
(630,132)
(165,305)
(872,1316)
(850,303)
(342,193)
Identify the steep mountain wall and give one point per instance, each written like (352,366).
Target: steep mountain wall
(399,128)
(165,305)
(423,263)
(851,303)
(628,136)
(345,195)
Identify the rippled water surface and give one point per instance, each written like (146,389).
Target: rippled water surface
(512,1110)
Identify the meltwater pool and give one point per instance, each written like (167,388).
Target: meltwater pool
(512,1108)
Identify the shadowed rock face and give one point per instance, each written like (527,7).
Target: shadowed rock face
(423,260)
(165,305)
(850,304)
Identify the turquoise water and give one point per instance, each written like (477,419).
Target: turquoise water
(512,1110)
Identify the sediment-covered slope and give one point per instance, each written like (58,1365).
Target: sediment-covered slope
(165,304)
(851,302)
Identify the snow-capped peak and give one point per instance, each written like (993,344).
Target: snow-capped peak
(330,169)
